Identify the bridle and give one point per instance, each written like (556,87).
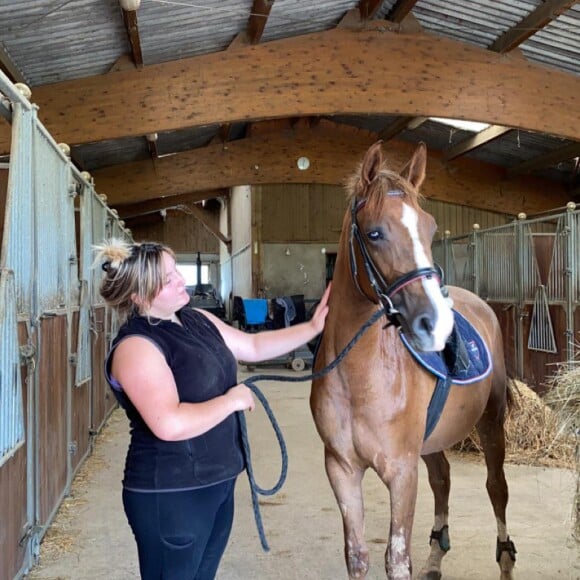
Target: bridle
(383,290)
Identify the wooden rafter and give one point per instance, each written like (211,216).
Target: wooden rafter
(536,20)
(132,28)
(230,87)
(400,10)
(368,8)
(396,127)
(546,159)
(172,201)
(481,138)
(202,216)
(258,19)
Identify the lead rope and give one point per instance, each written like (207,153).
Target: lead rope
(255,489)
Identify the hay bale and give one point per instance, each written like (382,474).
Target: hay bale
(563,398)
(533,433)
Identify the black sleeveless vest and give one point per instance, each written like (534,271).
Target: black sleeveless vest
(203,368)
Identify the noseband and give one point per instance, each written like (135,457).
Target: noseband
(383,290)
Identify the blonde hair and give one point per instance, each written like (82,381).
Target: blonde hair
(133,273)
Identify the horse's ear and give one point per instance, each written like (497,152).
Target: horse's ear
(371,164)
(416,168)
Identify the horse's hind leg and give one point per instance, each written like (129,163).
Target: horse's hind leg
(346,484)
(492,437)
(440,482)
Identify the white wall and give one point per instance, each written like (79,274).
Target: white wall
(303,271)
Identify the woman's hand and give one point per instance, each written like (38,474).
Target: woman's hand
(319,316)
(241,398)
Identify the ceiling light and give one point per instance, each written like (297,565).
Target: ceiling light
(472,126)
(303,163)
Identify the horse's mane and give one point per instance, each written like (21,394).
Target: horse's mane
(385,180)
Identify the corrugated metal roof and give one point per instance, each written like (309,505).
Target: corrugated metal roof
(55,41)
(294,17)
(558,44)
(477,22)
(104,153)
(174,30)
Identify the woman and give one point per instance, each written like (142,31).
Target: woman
(173,370)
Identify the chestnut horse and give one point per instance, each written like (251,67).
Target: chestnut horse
(371,410)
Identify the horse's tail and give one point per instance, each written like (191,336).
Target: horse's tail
(510,387)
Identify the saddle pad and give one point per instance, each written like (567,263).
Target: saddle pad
(465,358)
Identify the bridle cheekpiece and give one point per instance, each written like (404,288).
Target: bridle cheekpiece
(383,290)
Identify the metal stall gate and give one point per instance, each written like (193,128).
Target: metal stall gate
(527,271)
(51,384)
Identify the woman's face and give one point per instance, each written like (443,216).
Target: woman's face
(173,295)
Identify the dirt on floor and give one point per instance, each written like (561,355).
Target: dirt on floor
(90,538)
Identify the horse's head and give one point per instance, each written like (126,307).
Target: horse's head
(390,248)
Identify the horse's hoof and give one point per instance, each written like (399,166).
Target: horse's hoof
(358,565)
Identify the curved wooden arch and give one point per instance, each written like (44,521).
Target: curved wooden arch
(373,71)
(333,151)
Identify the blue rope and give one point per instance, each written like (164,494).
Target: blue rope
(254,487)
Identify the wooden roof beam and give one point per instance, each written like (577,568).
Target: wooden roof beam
(400,10)
(334,151)
(422,77)
(546,160)
(258,20)
(396,127)
(202,217)
(129,8)
(488,135)
(167,202)
(368,8)
(536,20)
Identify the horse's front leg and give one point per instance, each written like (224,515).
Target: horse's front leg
(345,481)
(440,482)
(401,479)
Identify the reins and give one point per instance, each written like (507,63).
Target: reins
(254,487)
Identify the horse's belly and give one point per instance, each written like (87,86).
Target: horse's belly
(462,411)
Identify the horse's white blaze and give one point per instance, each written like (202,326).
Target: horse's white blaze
(444,322)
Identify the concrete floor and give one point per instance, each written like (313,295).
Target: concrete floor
(90,539)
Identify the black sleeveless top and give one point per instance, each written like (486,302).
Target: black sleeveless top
(203,368)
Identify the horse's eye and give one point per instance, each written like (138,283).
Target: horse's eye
(375,235)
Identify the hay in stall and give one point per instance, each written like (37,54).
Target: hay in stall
(533,433)
(564,399)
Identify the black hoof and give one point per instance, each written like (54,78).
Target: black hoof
(433,575)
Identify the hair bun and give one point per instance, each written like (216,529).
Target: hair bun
(112,253)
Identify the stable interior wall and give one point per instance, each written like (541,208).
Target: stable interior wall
(290,269)
(182,232)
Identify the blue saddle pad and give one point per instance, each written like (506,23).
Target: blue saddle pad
(256,310)
(464,360)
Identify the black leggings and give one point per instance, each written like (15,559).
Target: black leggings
(181,535)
